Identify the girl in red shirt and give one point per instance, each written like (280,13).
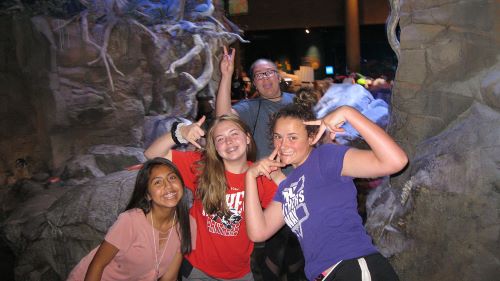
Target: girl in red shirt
(216,176)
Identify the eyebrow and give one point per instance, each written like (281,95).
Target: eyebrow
(288,134)
(230,131)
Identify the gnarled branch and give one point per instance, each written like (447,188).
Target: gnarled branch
(198,46)
(188,98)
(103,52)
(391,26)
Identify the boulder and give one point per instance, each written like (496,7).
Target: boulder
(448,209)
(52,230)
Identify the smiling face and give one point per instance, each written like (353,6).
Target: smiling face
(230,141)
(291,136)
(164,187)
(266,79)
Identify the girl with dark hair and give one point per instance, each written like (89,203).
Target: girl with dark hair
(317,200)
(149,238)
(216,175)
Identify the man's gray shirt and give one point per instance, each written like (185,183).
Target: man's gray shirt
(256,113)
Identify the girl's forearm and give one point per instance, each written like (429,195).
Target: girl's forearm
(223,102)
(253,210)
(261,224)
(161,147)
(385,149)
(102,258)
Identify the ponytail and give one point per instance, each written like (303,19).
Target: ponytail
(301,109)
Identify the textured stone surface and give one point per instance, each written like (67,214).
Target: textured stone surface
(54,229)
(75,99)
(416,35)
(412,67)
(81,169)
(111,158)
(490,88)
(77,94)
(438,219)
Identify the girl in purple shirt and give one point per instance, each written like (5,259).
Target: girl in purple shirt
(317,200)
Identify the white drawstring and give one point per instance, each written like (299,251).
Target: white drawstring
(365,273)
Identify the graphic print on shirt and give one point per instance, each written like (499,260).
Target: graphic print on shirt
(227,225)
(294,207)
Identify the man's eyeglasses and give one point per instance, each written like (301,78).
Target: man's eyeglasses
(265,74)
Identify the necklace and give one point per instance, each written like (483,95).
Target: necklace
(158,261)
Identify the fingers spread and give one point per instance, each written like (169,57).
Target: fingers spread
(321,130)
(232,54)
(266,166)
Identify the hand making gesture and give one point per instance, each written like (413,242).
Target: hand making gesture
(227,62)
(193,132)
(332,123)
(270,167)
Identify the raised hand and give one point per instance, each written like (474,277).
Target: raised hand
(227,62)
(192,133)
(332,123)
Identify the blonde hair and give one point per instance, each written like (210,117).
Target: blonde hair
(212,183)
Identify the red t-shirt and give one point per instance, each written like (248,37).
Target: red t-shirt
(222,246)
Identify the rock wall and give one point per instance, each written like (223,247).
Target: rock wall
(94,76)
(85,84)
(439,219)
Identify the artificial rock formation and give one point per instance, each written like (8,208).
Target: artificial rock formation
(85,84)
(439,219)
(97,73)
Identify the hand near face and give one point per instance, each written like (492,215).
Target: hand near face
(332,123)
(270,166)
(192,133)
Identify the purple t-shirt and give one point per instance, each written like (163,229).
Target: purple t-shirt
(320,207)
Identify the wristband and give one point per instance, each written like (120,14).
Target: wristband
(176,133)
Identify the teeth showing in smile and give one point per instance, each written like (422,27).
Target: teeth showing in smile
(231,149)
(285,153)
(170,195)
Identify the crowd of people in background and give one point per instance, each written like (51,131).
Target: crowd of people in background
(380,86)
(273,191)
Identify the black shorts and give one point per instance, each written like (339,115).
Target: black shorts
(376,266)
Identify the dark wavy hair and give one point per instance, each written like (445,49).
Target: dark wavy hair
(139,198)
(301,109)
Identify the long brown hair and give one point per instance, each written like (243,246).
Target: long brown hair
(139,198)
(212,183)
